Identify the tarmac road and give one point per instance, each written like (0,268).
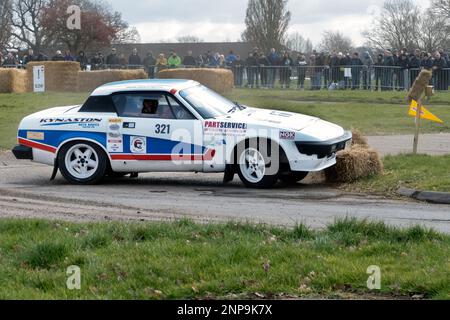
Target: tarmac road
(26,192)
(432,144)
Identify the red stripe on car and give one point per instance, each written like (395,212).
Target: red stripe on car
(36,145)
(208,156)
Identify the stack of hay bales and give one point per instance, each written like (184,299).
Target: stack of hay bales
(355,163)
(60,76)
(13,81)
(219,80)
(89,80)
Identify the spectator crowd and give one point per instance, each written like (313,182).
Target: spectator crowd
(388,70)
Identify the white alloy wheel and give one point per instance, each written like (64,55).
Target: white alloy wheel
(82,161)
(252,165)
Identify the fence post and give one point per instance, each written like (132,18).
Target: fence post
(418,121)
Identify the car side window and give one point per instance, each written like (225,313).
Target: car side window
(181,113)
(143,105)
(150,106)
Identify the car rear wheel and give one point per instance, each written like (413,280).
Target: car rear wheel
(293,177)
(254,168)
(82,163)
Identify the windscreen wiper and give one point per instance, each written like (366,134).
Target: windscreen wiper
(236,107)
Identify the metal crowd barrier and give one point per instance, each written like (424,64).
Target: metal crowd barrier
(374,78)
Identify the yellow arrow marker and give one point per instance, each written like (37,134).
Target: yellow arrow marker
(425,114)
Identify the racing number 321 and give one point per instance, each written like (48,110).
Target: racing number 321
(162,129)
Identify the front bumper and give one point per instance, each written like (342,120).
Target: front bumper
(325,149)
(23,152)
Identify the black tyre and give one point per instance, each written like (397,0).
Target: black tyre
(118,175)
(292,178)
(82,162)
(256,165)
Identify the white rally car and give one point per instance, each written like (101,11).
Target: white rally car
(141,126)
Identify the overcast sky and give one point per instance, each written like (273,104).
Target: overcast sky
(224,19)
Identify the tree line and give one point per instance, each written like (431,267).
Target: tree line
(42,24)
(398,24)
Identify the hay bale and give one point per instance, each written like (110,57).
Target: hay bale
(359,139)
(89,80)
(13,81)
(353,164)
(419,86)
(60,76)
(219,80)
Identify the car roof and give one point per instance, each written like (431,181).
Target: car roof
(144,85)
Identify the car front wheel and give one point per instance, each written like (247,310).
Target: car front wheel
(82,163)
(254,168)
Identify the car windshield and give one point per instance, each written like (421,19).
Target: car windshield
(208,103)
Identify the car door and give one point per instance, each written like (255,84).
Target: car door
(156,132)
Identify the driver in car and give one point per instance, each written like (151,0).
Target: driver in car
(150,107)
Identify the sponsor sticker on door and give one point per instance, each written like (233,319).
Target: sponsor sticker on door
(138,145)
(114,137)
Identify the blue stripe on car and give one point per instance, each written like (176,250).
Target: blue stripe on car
(154,145)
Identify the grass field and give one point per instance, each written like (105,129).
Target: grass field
(419,172)
(185,260)
(371,112)
(14,107)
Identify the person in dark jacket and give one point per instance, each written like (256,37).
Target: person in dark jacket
(367,70)
(264,63)
(149,65)
(238,71)
(96,62)
(403,63)
(444,54)
(230,58)
(42,57)
(396,70)
(82,59)
(10,61)
(30,57)
(315,72)
(345,64)
(301,65)
(112,60)
(134,59)
(378,71)
(427,62)
(274,61)
(388,64)
(68,56)
(189,60)
(320,63)
(285,73)
(439,76)
(326,72)
(252,65)
(414,66)
(335,67)
(58,56)
(356,65)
